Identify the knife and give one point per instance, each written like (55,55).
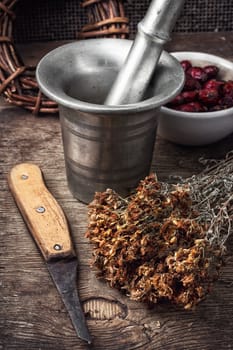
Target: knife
(49,228)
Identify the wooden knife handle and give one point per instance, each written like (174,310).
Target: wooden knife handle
(41,212)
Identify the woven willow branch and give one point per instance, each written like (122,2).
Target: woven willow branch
(17,81)
(106,18)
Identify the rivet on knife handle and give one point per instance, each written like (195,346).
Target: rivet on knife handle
(41,212)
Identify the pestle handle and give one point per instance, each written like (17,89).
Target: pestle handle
(153,32)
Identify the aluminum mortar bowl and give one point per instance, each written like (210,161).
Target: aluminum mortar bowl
(104,146)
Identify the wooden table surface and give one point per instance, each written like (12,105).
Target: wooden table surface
(32,315)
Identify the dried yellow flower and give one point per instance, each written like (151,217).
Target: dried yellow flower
(152,245)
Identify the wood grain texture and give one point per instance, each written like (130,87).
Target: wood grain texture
(32,315)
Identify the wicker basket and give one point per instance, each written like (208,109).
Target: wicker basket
(106,18)
(17,81)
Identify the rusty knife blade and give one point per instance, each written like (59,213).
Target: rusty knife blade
(63,273)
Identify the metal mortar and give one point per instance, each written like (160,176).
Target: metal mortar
(104,146)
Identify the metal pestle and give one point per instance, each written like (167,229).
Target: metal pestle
(153,32)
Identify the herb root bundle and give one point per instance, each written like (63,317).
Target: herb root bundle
(165,241)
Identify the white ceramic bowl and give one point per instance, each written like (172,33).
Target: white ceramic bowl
(200,128)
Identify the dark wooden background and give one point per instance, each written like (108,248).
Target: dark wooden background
(32,316)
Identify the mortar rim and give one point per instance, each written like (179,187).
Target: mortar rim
(67,101)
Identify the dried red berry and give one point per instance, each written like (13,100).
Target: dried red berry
(191,84)
(191,107)
(186,65)
(178,100)
(214,84)
(184,97)
(189,96)
(197,73)
(226,102)
(215,108)
(228,88)
(211,71)
(202,90)
(208,96)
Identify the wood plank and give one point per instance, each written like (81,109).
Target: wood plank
(32,315)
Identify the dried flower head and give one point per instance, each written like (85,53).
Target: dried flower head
(164,242)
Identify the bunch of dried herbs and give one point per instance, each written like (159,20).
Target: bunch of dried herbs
(165,241)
